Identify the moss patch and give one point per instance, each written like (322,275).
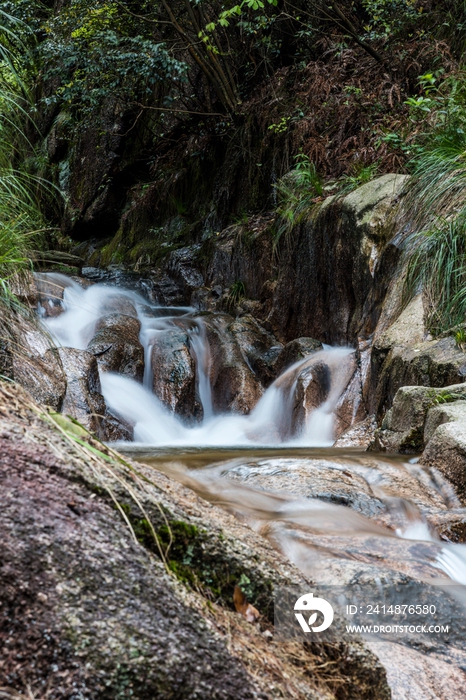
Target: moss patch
(201,560)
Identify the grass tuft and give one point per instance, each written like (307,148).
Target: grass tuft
(22,189)
(435,205)
(296,192)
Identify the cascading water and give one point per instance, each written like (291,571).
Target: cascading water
(333,514)
(268,423)
(153,425)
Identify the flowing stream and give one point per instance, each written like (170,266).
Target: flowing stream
(334,513)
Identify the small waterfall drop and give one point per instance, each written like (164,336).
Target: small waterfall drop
(263,426)
(271,422)
(201,352)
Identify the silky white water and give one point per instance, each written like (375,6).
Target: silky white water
(268,424)
(153,423)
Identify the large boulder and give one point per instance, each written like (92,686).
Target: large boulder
(432,363)
(174,372)
(403,427)
(117,347)
(90,610)
(83,400)
(445,438)
(28,358)
(42,376)
(446,451)
(234,385)
(328,275)
(259,348)
(451,409)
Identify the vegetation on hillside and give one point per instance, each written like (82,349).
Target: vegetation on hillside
(189,113)
(24,191)
(436,201)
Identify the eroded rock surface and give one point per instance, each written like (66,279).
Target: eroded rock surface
(294,351)
(235,387)
(97,614)
(83,399)
(174,373)
(116,345)
(328,277)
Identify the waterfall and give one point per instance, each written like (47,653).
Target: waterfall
(271,422)
(201,352)
(154,425)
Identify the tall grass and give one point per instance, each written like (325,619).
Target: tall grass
(436,208)
(21,189)
(296,192)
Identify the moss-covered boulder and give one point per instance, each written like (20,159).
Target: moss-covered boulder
(93,605)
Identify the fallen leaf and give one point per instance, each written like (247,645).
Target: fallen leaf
(248,611)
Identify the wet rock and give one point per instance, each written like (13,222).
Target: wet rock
(181,269)
(245,254)
(294,351)
(312,390)
(83,400)
(352,406)
(78,563)
(27,357)
(360,435)
(206,299)
(259,348)
(370,486)
(165,290)
(174,373)
(449,525)
(235,387)
(113,428)
(322,479)
(116,346)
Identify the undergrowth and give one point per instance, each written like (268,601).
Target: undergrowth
(22,189)
(296,193)
(436,201)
